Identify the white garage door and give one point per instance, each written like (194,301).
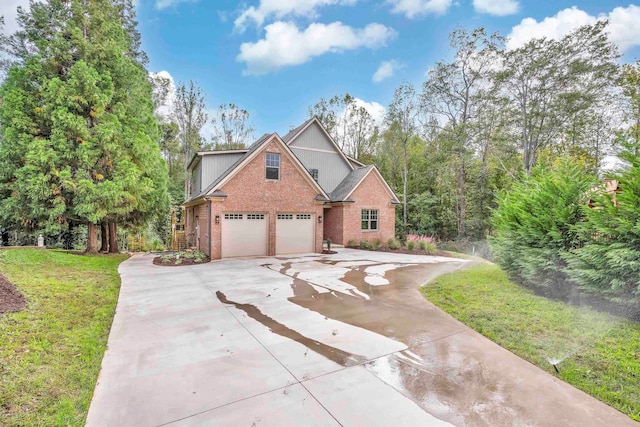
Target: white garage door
(244,234)
(294,233)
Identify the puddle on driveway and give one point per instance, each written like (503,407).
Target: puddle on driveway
(335,354)
(397,311)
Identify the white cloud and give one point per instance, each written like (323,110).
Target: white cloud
(9,10)
(165,4)
(385,70)
(417,8)
(281,8)
(623,28)
(496,7)
(285,45)
(376,110)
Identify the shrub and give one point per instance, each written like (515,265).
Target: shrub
(536,224)
(429,248)
(178,257)
(376,244)
(156,245)
(393,243)
(328,244)
(352,244)
(365,244)
(609,261)
(416,238)
(411,244)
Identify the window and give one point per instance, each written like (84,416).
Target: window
(232,216)
(285,216)
(255,216)
(303,216)
(314,174)
(369,219)
(273,166)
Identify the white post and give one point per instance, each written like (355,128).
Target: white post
(40,241)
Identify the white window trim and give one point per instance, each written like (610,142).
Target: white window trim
(377,220)
(273,167)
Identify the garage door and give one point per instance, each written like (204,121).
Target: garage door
(294,233)
(244,234)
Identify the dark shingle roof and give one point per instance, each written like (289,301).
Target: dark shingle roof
(295,131)
(252,148)
(349,182)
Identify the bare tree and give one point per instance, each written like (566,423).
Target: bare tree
(190,116)
(401,121)
(552,82)
(359,130)
(231,128)
(453,94)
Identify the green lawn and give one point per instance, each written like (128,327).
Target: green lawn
(50,353)
(601,353)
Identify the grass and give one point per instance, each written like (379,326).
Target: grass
(600,353)
(50,353)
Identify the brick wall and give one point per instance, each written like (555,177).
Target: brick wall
(250,191)
(370,194)
(333,226)
(200,211)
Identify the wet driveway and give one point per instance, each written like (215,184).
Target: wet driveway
(342,339)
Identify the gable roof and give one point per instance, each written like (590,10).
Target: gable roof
(248,156)
(290,137)
(295,131)
(342,192)
(355,162)
(199,154)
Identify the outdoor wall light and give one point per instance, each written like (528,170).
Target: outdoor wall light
(217,219)
(320,219)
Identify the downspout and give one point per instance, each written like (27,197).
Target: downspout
(210,236)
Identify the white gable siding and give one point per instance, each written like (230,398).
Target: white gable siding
(316,151)
(196,180)
(215,165)
(313,137)
(331,167)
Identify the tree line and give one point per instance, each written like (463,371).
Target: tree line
(482,120)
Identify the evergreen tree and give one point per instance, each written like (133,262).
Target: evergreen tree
(536,223)
(609,262)
(77,123)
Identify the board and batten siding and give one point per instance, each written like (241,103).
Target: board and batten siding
(196,179)
(215,165)
(331,167)
(315,151)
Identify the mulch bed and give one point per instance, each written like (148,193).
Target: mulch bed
(10,298)
(326,252)
(172,262)
(402,251)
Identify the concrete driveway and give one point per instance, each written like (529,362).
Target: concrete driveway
(341,339)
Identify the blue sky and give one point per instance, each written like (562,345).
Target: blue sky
(277,57)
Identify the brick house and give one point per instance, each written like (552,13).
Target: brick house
(285,195)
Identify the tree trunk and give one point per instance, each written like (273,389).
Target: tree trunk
(113,238)
(104,235)
(462,198)
(92,238)
(404,195)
